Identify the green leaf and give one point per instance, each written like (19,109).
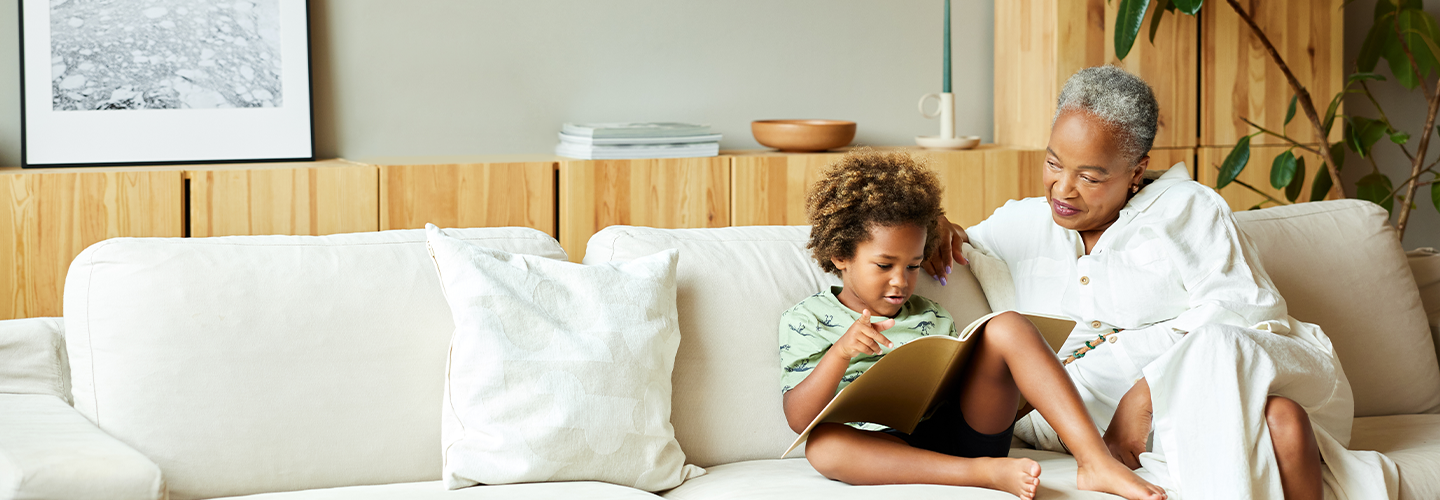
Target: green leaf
(1400,137)
(1322,184)
(1258,206)
(1234,163)
(1290,113)
(1127,25)
(1362,133)
(1373,46)
(1435,191)
(1191,7)
(1375,188)
(1282,170)
(1330,113)
(1292,192)
(1359,77)
(1337,151)
(1160,8)
(1414,25)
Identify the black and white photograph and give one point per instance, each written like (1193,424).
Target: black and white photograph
(182,54)
(185,77)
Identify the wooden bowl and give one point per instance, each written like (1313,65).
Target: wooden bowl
(803,135)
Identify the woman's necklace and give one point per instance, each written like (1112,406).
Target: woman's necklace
(1100,340)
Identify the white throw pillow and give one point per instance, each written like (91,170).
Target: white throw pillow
(32,357)
(558,371)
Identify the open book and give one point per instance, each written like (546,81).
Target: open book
(908,383)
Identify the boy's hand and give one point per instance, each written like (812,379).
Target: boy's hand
(863,337)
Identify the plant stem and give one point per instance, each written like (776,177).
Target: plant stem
(1419,161)
(1287,138)
(1257,190)
(1412,178)
(1304,97)
(1384,118)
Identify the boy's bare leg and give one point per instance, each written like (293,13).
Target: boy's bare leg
(1296,452)
(862,457)
(1012,358)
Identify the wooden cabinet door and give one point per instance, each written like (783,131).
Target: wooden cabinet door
(336,197)
(46,219)
(468,195)
(666,193)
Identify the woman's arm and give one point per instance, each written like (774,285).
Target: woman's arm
(809,397)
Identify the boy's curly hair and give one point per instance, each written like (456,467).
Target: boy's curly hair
(868,189)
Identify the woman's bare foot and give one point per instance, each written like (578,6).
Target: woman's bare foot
(1111,476)
(1017,476)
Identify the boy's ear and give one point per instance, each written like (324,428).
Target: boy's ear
(839,263)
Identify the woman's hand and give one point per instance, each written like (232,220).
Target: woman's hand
(863,337)
(951,237)
(1130,427)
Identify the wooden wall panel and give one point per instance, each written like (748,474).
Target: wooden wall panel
(1256,174)
(46,219)
(1239,79)
(1163,158)
(1040,43)
(771,190)
(298,201)
(668,193)
(468,195)
(1169,65)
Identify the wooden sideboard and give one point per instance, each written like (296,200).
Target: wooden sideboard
(48,216)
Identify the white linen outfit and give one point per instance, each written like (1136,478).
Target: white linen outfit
(1201,321)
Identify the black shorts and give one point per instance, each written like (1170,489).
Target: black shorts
(947,432)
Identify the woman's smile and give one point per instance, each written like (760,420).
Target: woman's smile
(1062,209)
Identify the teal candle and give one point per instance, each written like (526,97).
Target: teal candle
(946,86)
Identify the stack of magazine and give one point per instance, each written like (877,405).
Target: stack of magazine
(611,141)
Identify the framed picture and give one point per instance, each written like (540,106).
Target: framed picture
(126,82)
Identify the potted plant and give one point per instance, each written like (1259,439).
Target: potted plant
(1405,37)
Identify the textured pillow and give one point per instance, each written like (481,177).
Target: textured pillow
(32,357)
(1425,265)
(558,371)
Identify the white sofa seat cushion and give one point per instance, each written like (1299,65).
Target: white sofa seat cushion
(558,371)
(795,479)
(1339,264)
(733,284)
(1413,442)
(252,364)
(32,357)
(47,450)
(436,490)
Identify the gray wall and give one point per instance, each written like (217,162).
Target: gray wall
(459,77)
(1406,111)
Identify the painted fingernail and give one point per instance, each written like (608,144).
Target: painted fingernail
(935,277)
(947,269)
(942,282)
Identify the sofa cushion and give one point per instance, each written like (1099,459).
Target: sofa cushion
(1425,265)
(1413,442)
(32,357)
(558,371)
(588,490)
(47,450)
(733,283)
(1339,265)
(251,364)
(795,479)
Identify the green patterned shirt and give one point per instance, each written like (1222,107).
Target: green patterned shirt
(809,329)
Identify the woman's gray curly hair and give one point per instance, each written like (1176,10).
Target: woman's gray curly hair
(1118,98)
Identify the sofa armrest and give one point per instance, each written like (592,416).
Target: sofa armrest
(48,450)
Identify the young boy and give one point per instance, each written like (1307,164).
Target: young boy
(873,218)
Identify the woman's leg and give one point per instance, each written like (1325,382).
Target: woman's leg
(861,457)
(1012,358)
(1296,452)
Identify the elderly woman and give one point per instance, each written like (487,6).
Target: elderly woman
(1179,330)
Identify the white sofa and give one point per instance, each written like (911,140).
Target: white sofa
(311,367)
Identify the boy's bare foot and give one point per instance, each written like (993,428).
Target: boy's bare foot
(1017,476)
(1111,476)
